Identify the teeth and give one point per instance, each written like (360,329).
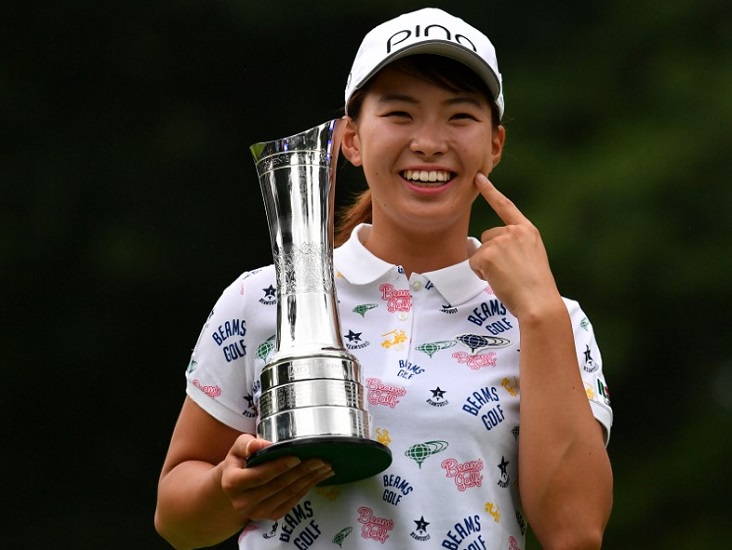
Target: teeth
(427,176)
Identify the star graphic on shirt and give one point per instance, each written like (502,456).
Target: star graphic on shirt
(437,393)
(354,336)
(588,355)
(421,524)
(503,466)
(269,292)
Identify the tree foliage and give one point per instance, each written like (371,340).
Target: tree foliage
(128,201)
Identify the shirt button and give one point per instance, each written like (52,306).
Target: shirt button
(416,285)
(403,315)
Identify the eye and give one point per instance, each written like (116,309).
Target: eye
(463,116)
(398,114)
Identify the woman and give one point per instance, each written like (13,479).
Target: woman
(452,333)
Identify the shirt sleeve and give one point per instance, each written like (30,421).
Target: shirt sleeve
(590,363)
(220,375)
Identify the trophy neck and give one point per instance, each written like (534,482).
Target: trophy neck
(307,312)
(297,179)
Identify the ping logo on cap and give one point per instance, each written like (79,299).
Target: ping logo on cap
(401,36)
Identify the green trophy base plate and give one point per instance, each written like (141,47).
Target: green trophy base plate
(352,458)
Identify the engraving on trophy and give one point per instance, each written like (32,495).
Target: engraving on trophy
(298,370)
(296,158)
(304,269)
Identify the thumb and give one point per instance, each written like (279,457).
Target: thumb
(255,445)
(246,445)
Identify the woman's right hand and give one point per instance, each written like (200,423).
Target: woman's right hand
(271,489)
(206,493)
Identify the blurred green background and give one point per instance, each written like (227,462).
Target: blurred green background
(128,201)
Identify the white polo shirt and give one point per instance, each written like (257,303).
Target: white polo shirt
(439,354)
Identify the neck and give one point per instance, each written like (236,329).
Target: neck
(419,251)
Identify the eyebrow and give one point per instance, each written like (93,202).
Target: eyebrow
(387,98)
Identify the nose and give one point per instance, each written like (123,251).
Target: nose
(428,140)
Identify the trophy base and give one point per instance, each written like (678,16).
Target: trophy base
(352,458)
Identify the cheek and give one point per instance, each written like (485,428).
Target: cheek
(487,154)
(477,145)
(477,159)
(378,157)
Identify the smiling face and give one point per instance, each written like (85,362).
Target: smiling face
(420,145)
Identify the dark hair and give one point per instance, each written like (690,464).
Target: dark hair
(435,69)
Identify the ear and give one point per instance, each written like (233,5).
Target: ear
(499,138)
(350,142)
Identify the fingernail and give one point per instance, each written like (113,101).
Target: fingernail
(316,464)
(292,461)
(328,475)
(248,449)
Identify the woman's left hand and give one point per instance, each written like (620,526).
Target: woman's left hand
(512,257)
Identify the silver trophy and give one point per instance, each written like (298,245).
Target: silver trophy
(312,403)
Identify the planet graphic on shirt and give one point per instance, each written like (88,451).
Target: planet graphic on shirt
(478,342)
(422,451)
(265,348)
(341,535)
(430,348)
(363,308)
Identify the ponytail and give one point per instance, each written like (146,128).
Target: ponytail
(349,217)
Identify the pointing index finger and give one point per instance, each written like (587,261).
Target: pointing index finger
(501,205)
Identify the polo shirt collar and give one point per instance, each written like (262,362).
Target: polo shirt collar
(356,263)
(456,283)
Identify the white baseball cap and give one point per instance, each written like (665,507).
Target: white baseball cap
(431,31)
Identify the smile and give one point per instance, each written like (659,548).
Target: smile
(430,178)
